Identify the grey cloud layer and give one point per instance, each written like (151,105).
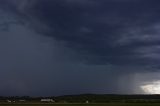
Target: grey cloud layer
(102,40)
(35,65)
(102,31)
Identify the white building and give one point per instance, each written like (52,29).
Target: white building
(87,101)
(9,101)
(22,100)
(47,100)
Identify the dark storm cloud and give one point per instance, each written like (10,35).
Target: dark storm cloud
(100,41)
(32,64)
(102,31)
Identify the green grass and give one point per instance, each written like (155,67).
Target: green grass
(107,104)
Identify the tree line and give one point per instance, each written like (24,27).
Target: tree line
(91,98)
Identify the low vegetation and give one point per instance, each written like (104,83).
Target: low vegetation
(83,100)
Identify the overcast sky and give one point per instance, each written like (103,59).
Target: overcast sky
(60,47)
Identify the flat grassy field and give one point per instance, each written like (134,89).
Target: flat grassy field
(107,104)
